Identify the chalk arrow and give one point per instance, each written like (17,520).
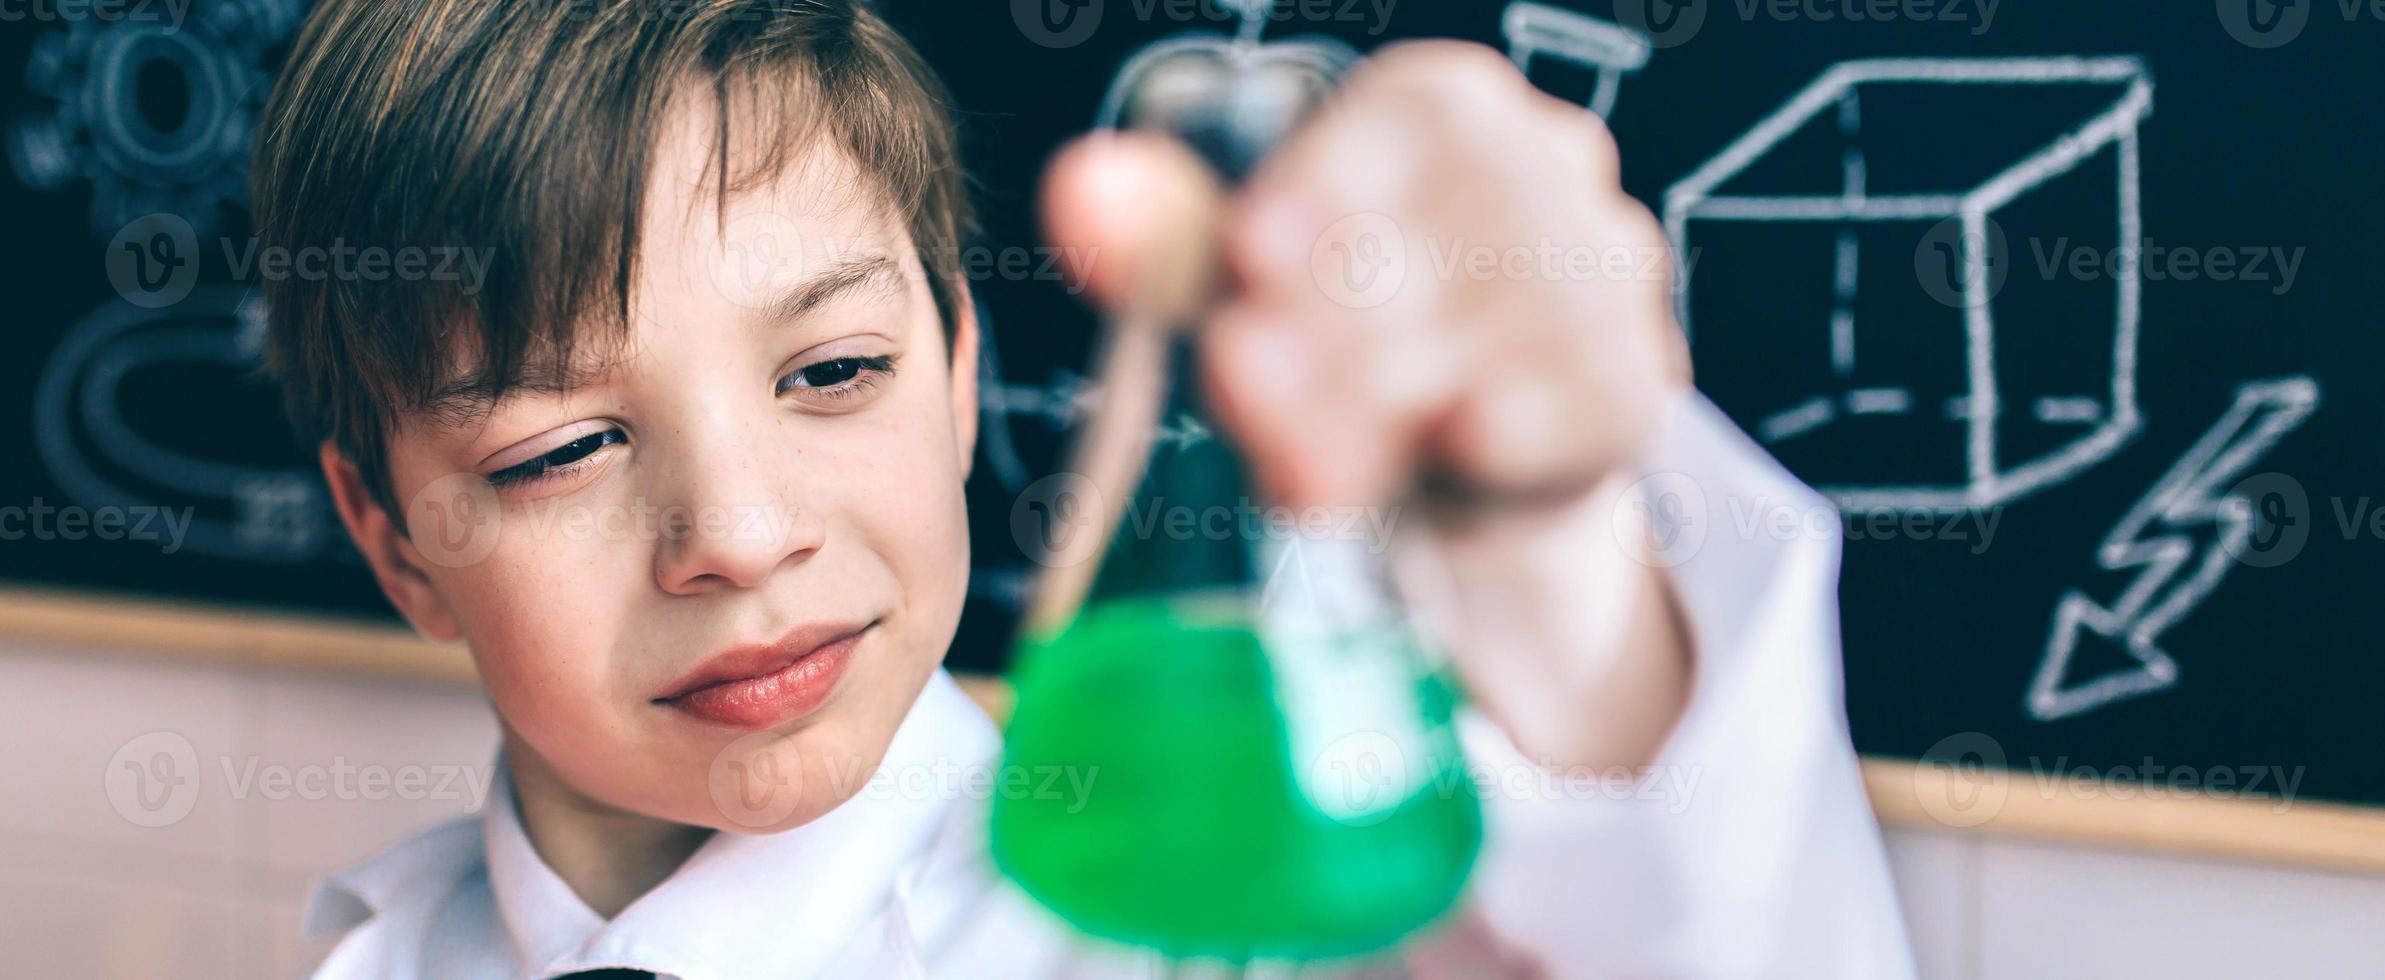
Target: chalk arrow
(2160,536)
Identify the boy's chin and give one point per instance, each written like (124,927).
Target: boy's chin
(766,782)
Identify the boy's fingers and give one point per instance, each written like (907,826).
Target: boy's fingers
(1531,436)
(1325,414)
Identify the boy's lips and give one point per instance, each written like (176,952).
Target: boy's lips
(766,685)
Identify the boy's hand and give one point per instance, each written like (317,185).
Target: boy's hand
(1438,286)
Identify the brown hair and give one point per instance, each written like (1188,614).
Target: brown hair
(521,129)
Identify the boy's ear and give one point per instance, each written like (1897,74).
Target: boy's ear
(964,382)
(396,565)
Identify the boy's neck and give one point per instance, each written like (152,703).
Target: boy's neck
(607,855)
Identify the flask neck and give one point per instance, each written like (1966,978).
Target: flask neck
(1191,523)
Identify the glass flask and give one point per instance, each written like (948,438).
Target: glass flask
(1270,766)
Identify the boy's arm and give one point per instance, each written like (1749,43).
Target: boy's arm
(1438,284)
(1745,847)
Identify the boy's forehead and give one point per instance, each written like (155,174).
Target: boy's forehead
(753,231)
(779,241)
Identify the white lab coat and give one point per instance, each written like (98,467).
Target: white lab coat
(1749,853)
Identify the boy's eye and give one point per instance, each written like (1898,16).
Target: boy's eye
(842,376)
(556,461)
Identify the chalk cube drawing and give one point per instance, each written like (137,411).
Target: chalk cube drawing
(1915,281)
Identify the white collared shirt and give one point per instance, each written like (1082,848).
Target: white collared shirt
(1750,852)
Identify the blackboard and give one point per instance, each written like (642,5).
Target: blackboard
(2093,518)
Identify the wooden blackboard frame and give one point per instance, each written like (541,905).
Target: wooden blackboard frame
(1904,793)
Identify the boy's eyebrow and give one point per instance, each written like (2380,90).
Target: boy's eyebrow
(845,276)
(465,401)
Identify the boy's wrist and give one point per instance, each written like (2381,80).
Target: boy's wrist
(1563,624)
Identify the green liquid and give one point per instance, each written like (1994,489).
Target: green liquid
(1196,837)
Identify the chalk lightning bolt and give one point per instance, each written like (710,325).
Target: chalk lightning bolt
(2155,536)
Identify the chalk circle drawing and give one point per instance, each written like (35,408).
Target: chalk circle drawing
(255,513)
(140,154)
(1611,50)
(2164,537)
(1968,246)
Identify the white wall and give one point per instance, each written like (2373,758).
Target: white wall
(86,892)
(1989,907)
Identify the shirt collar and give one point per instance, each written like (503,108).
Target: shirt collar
(763,905)
(428,864)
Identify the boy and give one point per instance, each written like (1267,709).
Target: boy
(686,474)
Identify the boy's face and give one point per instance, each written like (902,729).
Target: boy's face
(773,461)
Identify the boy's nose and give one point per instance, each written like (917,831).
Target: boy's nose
(710,547)
(737,526)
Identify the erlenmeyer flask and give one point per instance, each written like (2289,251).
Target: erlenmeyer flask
(1266,750)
